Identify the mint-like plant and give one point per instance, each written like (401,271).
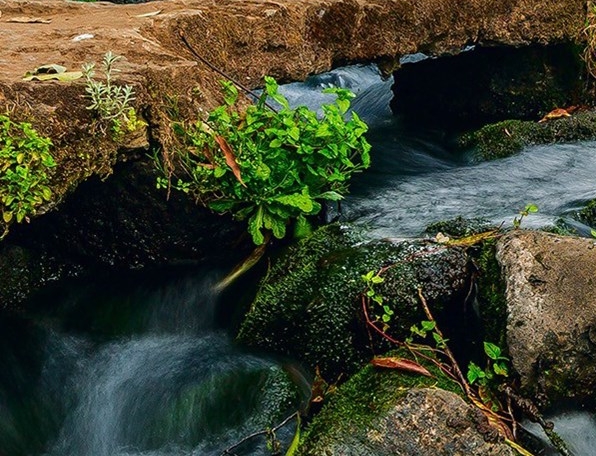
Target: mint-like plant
(269,167)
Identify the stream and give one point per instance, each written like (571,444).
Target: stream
(140,366)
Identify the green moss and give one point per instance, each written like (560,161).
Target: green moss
(491,295)
(309,306)
(460,227)
(368,394)
(587,214)
(507,138)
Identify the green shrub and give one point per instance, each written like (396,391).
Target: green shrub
(25,160)
(270,167)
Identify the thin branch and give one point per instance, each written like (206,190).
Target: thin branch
(219,71)
(448,351)
(228,450)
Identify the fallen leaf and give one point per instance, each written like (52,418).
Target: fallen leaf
(441,238)
(65,77)
(230,158)
(152,13)
(52,68)
(555,114)
(52,71)
(401,364)
(29,20)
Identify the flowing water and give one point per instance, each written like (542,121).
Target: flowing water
(417,178)
(123,368)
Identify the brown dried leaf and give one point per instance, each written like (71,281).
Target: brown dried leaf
(555,114)
(230,158)
(401,364)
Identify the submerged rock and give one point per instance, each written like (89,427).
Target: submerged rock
(383,413)
(309,306)
(551,303)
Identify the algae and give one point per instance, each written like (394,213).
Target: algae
(491,295)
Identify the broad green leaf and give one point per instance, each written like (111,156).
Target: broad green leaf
(428,325)
(222,205)
(7,216)
(331,196)
(302,227)
(343,105)
(474,373)
(492,350)
(230,92)
(531,208)
(255,224)
(301,201)
(275,143)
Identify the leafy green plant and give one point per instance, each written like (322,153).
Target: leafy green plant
(371,279)
(112,102)
(426,327)
(25,160)
(529,209)
(496,366)
(269,167)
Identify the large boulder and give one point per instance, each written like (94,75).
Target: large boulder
(551,303)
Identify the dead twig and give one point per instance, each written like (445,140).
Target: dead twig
(219,71)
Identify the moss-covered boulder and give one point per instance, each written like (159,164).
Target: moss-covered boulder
(506,138)
(309,305)
(388,412)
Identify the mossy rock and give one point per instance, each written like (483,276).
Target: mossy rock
(384,412)
(369,393)
(310,306)
(506,138)
(459,227)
